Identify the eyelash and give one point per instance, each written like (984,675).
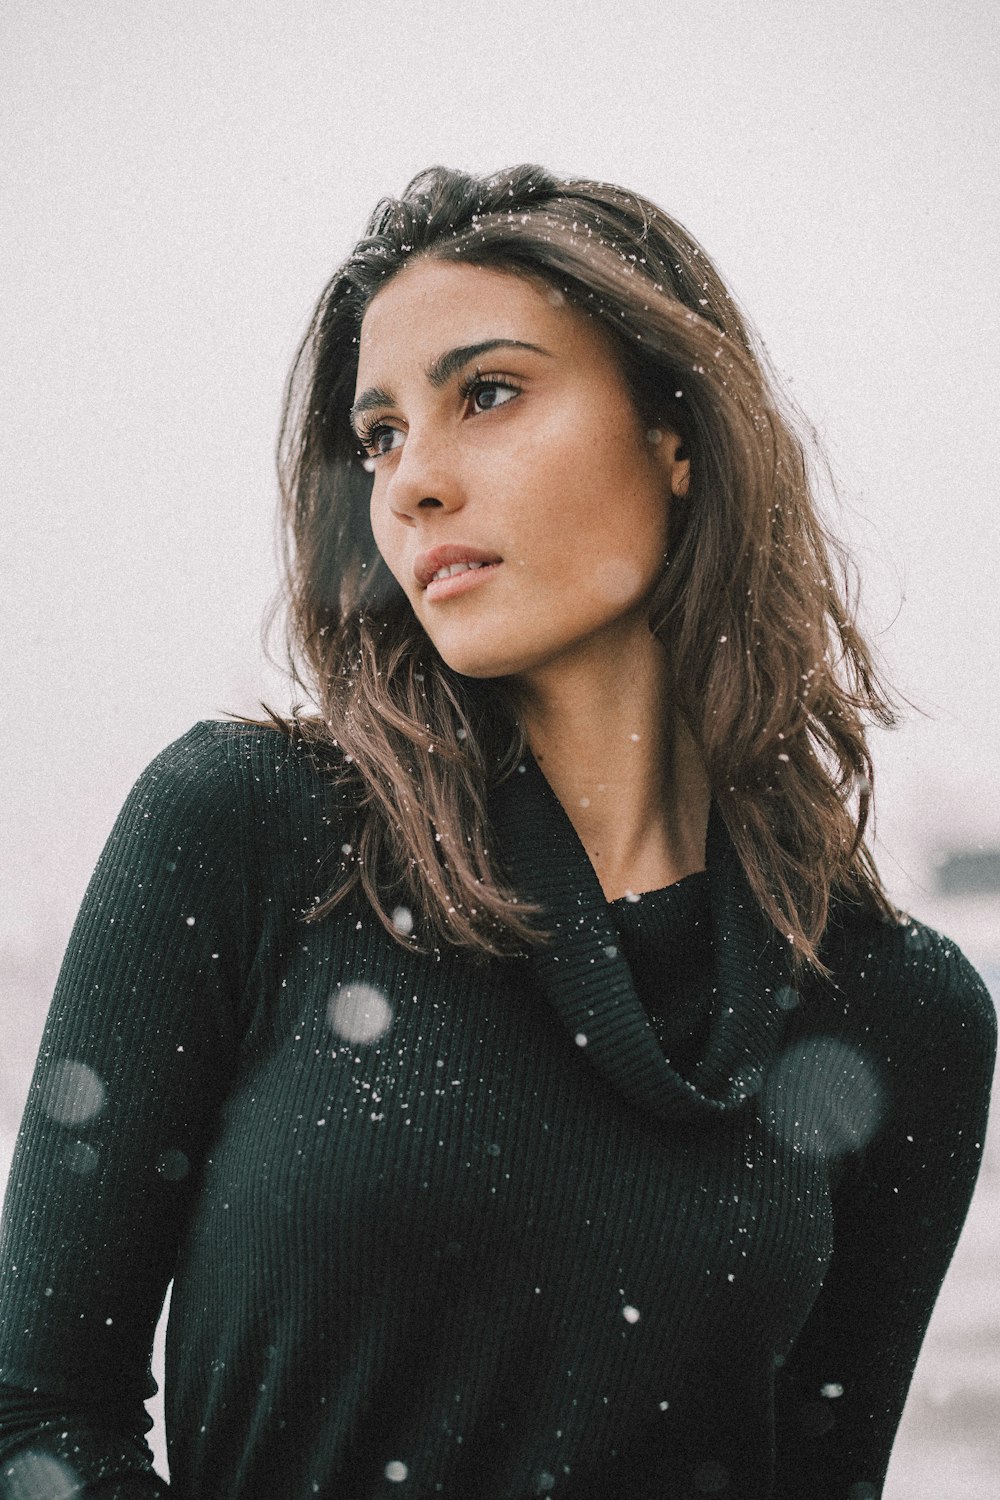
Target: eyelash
(369,429)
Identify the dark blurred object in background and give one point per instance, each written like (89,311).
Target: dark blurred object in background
(969,872)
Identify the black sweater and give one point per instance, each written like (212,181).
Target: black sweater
(440,1228)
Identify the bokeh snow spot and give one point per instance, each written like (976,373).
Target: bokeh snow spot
(824,1095)
(616,579)
(631,1314)
(73,1094)
(396,1471)
(402,920)
(359,1012)
(33,1475)
(80,1157)
(173,1166)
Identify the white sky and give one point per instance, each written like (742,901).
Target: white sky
(180,179)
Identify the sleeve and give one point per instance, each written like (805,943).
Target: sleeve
(134,1059)
(897,1215)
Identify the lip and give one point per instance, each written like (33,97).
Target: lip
(426,564)
(460,583)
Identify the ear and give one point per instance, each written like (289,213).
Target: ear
(672,453)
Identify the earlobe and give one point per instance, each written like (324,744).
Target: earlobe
(673,453)
(680,476)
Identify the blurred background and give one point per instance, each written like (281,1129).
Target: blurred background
(179,182)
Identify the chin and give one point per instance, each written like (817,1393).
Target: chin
(482,662)
(482,669)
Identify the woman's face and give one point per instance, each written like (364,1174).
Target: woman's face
(498,424)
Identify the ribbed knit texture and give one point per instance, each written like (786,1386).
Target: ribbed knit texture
(446,1228)
(666,941)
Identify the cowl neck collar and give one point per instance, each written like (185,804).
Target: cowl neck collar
(587,981)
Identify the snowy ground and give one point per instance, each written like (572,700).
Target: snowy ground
(949,1442)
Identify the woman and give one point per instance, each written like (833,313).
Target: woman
(516,1063)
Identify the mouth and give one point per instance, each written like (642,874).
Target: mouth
(458,578)
(443,560)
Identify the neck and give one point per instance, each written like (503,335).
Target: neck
(623,763)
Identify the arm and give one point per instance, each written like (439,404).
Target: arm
(898,1211)
(136,1051)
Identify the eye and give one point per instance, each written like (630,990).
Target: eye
(487,392)
(484,392)
(378,438)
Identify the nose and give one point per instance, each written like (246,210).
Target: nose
(424,476)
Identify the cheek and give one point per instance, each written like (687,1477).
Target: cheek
(595,445)
(599,490)
(382,534)
(617,579)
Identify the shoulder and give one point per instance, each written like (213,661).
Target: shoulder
(911,983)
(237,744)
(268,798)
(233,764)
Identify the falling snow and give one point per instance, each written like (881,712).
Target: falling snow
(826,1096)
(34,1475)
(359,1012)
(73,1094)
(173,1166)
(81,1157)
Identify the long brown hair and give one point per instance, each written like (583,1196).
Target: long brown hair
(767,664)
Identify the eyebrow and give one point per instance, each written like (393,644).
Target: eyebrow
(440,371)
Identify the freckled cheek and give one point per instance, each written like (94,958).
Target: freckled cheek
(612,536)
(382,530)
(560,508)
(578,440)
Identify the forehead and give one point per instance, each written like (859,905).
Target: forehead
(430,306)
